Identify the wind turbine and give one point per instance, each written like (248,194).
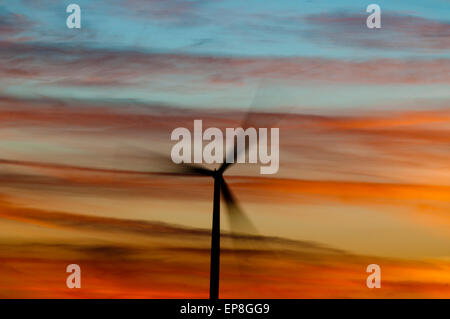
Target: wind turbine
(235,213)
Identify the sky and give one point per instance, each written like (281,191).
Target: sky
(364,124)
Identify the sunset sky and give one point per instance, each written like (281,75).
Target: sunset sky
(364,118)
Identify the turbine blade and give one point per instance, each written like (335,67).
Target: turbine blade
(184,170)
(257,116)
(195,169)
(47,165)
(225,165)
(239,222)
(245,240)
(166,163)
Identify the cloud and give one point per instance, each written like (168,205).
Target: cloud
(402,138)
(398,31)
(64,153)
(93,223)
(166,261)
(174,12)
(423,202)
(352,146)
(12,25)
(152,229)
(78,66)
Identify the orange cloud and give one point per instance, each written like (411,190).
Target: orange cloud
(395,159)
(165,261)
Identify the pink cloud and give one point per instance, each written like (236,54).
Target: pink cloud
(86,67)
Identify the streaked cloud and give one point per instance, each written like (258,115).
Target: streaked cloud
(364,123)
(142,268)
(69,66)
(398,31)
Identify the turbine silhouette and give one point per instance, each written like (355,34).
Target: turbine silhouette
(236,214)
